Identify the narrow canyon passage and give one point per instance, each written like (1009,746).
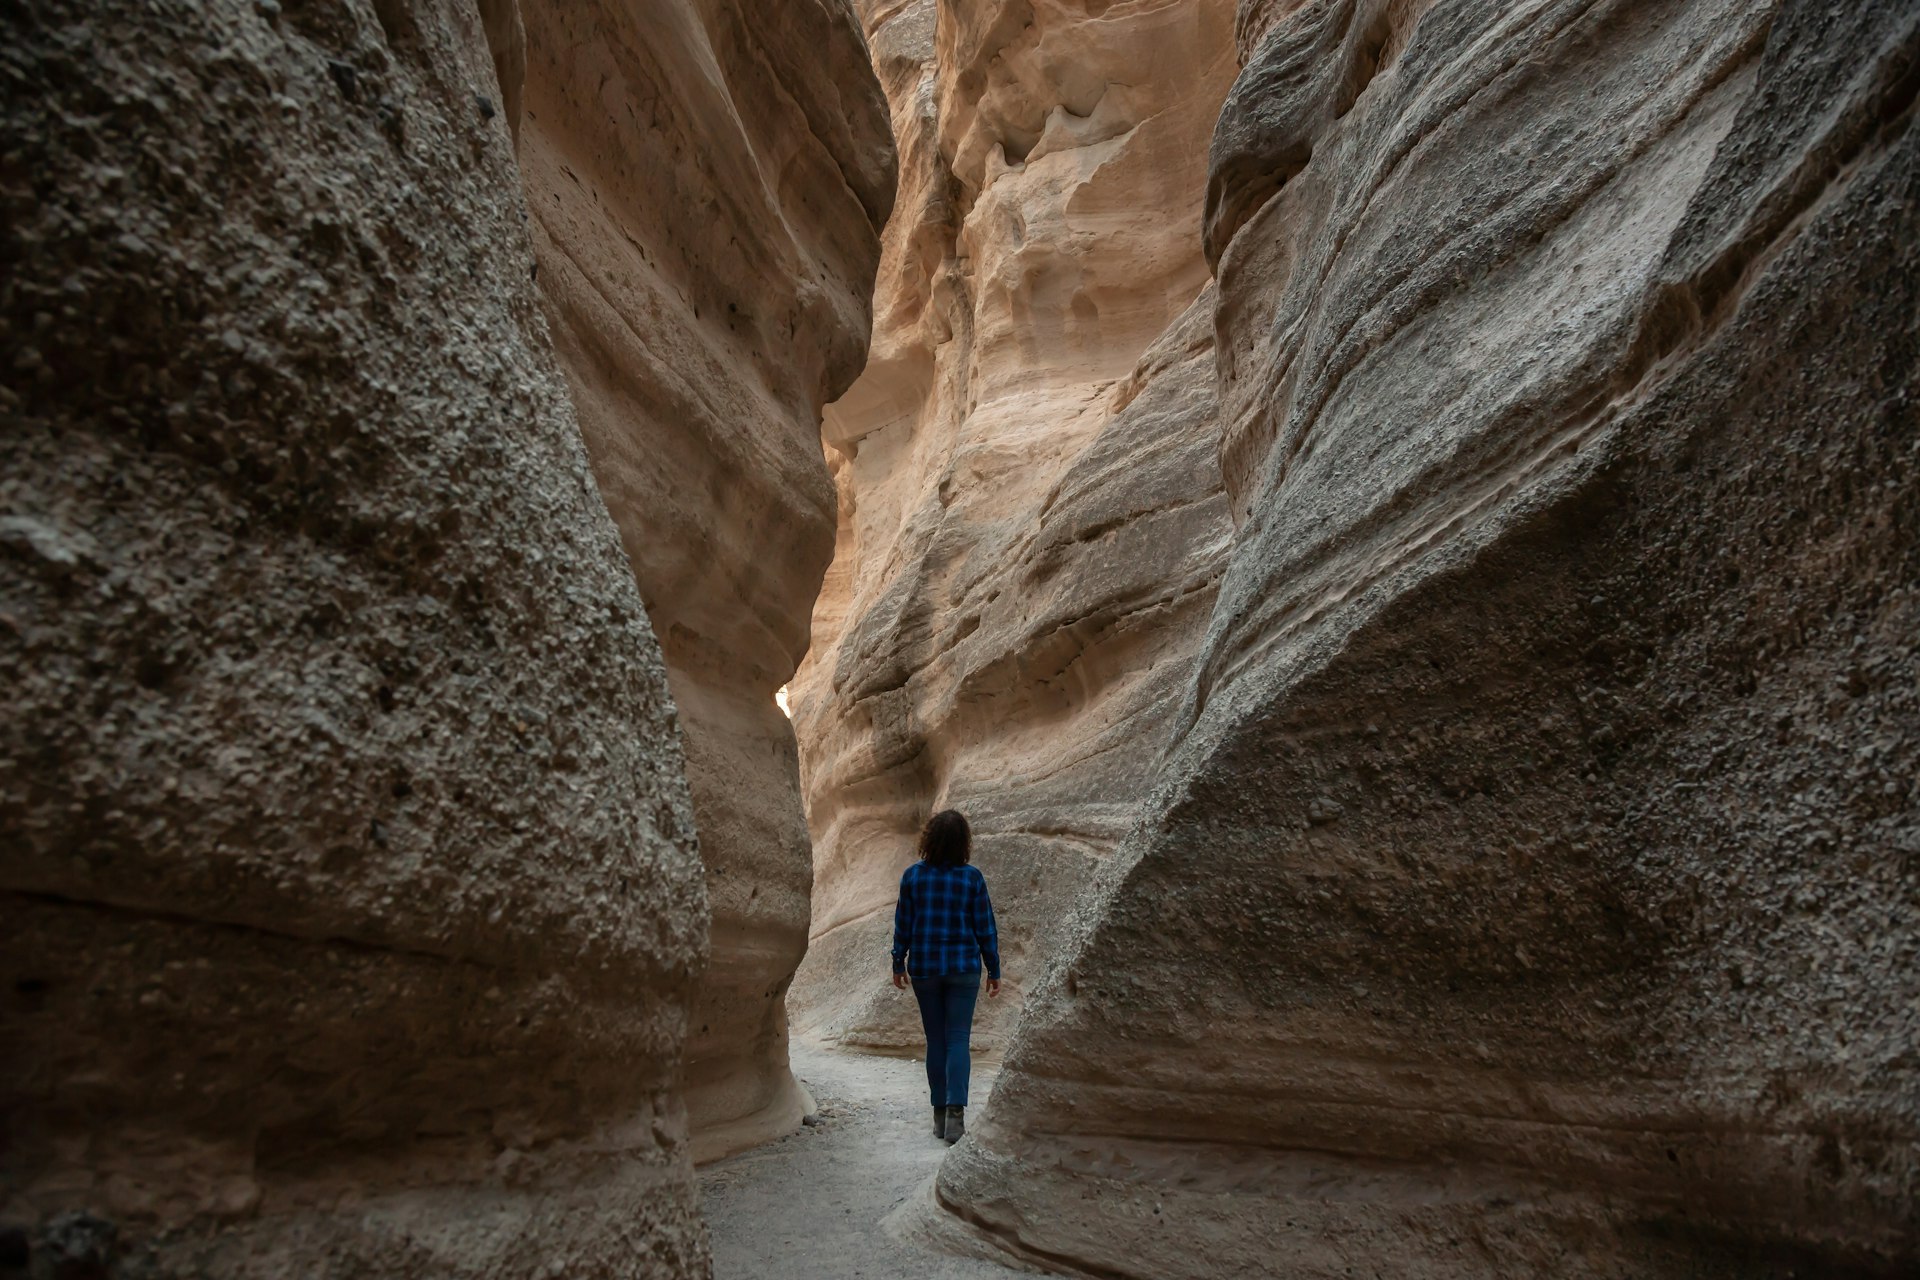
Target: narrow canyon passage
(1397,520)
(821,1203)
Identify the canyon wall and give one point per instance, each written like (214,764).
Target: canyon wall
(355,908)
(1529,885)
(707,184)
(1032,521)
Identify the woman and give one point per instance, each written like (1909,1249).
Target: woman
(942,931)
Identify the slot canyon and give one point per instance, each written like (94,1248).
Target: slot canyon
(1397,520)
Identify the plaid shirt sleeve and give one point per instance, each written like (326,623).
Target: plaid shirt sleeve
(985,932)
(902,923)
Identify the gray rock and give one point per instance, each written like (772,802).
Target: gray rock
(267,499)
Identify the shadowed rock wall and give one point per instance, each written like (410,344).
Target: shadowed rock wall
(1530,887)
(707,185)
(1031,518)
(354,904)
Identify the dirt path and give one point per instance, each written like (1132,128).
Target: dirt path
(809,1207)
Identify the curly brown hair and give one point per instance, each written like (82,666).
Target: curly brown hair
(946,840)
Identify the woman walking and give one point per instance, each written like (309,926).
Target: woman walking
(942,931)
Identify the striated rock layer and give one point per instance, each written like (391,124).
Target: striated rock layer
(1530,886)
(353,896)
(1031,517)
(352,893)
(707,185)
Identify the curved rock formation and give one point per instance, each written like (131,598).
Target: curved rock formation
(352,891)
(1031,520)
(707,185)
(354,903)
(1530,887)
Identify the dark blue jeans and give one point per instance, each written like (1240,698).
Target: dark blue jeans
(946,1011)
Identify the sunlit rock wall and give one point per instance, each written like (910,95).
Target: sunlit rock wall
(1031,516)
(707,185)
(351,890)
(1530,889)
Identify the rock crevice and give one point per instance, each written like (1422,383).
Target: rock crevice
(1031,517)
(706,200)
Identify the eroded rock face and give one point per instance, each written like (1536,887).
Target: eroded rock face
(1031,517)
(1529,888)
(707,185)
(352,894)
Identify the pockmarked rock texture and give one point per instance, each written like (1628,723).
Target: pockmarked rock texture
(707,184)
(1032,521)
(1530,889)
(351,891)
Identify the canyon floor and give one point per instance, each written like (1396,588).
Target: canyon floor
(812,1206)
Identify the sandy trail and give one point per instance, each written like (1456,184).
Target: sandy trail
(809,1206)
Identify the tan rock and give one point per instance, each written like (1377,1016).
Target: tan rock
(351,888)
(1031,520)
(354,899)
(707,184)
(1527,889)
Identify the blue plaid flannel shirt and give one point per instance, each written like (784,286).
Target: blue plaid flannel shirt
(943,923)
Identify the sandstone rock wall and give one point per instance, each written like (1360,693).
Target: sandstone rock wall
(1031,518)
(707,184)
(354,902)
(1529,888)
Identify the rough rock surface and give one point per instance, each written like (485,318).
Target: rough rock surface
(1031,517)
(1531,886)
(707,185)
(351,892)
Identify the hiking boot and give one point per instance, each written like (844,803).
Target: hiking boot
(956,1124)
(939,1122)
